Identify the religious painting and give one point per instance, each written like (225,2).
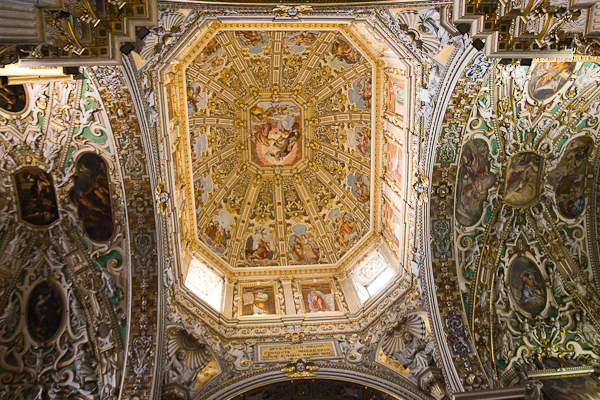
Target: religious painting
(276,133)
(474,181)
(45,310)
(344,227)
(196,98)
(260,246)
(304,245)
(360,140)
(394,162)
(258,300)
(37,198)
(298,41)
(360,186)
(397,94)
(523,177)
(572,388)
(13,98)
(527,286)
(392,222)
(202,187)
(344,54)
(211,58)
(198,143)
(548,78)
(217,233)
(361,92)
(253,41)
(318,297)
(569,177)
(91,195)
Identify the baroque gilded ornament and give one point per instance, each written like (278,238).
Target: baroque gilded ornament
(300,368)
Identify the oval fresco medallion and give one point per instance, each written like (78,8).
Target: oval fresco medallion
(13,98)
(569,177)
(523,178)
(527,286)
(37,197)
(44,311)
(474,181)
(548,78)
(91,195)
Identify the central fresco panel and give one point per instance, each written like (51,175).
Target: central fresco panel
(279,129)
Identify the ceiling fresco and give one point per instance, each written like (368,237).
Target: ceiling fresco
(336,202)
(280,145)
(510,219)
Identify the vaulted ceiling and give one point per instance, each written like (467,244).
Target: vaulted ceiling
(357,189)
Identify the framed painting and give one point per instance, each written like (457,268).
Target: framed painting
(36,195)
(523,178)
(527,286)
(569,177)
(258,300)
(474,181)
(318,297)
(45,310)
(394,162)
(548,78)
(13,98)
(397,95)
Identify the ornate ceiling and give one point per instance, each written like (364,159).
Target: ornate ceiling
(511,216)
(260,196)
(280,146)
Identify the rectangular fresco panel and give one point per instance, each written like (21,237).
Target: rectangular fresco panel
(318,297)
(392,222)
(37,198)
(259,300)
(394,162)
(276,133)
(397,95)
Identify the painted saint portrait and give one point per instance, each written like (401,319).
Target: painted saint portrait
(548,78)
(392,222)
(37,198)
(344,227)
(572,388)
(91,195)
(218,232)
(397,94)
(260,246)
(304,245)
(360,186)
(299,41)
(527,286)
(569,177)
(361,92)
(344,54)
(44,311)
(394,162)
(196,98)
(258,300)
(253,41)
(276,133)
(318,297)
(13,98)
(198,143)
(211,58)
(523,178)
(360,140)
(474,181)
(202,187)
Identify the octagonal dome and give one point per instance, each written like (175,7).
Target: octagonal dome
(279,145)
